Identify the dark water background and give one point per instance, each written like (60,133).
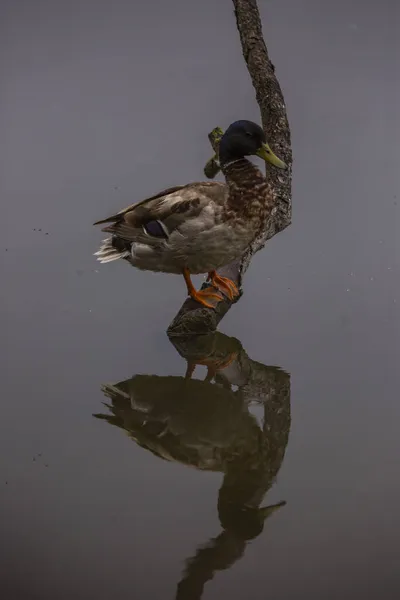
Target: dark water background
(103,103)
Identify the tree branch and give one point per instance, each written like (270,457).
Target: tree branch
(193,319)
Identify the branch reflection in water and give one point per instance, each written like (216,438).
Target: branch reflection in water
(208,425)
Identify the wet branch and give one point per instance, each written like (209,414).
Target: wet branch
(193,319)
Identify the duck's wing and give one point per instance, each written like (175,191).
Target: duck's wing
(131,207)
(160,215)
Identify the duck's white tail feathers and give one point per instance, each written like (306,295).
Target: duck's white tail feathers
(108,253)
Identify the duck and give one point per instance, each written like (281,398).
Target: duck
(199,227)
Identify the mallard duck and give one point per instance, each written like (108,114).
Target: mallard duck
(202,226)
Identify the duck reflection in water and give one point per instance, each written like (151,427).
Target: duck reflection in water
(208,425)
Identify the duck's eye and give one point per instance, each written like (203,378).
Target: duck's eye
(248,133)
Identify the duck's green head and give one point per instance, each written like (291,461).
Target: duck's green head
(245,138)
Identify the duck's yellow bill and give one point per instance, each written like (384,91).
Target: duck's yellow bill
(266,154)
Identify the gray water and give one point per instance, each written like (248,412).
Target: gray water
(274,473)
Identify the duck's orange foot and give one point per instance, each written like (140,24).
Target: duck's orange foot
(203,297)
(224,284)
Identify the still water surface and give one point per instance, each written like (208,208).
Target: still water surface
(274,471)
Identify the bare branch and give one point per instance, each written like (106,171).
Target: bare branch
(192,318)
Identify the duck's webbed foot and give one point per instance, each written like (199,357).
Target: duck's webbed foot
(224,284)
(206,297)
(203,297)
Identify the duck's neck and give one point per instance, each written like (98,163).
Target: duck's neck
(245,182)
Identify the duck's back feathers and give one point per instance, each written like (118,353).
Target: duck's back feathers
(162,194)
(172,209)
(179,200)
(161,230)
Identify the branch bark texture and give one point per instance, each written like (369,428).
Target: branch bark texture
(193,319)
